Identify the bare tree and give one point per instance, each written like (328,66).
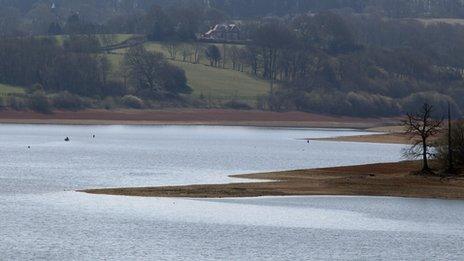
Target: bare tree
(153,75)
(421,127)
(125,72)
(214,55)
(144,67)
(235,57)
(224,55)
(457,148)
(172,48)
(272,38)
(9,21)
(186,51)
(450,148)
(197,50)
(249,56)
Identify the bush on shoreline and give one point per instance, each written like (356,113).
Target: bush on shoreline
(237,105)
(457,147)
(39,102)
(67,101)
(132,102)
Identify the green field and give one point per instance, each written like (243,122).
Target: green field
(6,89)
(120,37)
(115,38)
(158,47)
(223,84)
(211,82)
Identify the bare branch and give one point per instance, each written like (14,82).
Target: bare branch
(420,127)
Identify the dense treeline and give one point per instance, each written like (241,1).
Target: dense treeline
(29,61)
(40,16)
(65,73)
(98,9)
(339,64)
(176,23)
(392,8)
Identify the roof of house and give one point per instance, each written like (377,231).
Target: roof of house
(223,28)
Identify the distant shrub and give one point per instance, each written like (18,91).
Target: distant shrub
(113,89)
(438,100)
(132,101)
(191,101)
(3,103)
(261,102)
(364,104)
(352,103)
(109,103)
(324,102)
(40,103)
(35,88)
(67,101)
(17,103)
(237,105)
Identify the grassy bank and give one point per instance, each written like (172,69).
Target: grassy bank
(389,179)
(113,38)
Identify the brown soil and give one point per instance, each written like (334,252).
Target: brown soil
(392,135)
(392,138)
(391,179)
(193,117)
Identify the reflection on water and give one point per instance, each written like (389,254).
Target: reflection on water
(43,218)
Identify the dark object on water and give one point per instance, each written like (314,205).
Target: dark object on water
(94,136)
(28,147)
(67,139)
(308,141)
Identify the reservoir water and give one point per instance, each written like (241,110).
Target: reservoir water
(41,217)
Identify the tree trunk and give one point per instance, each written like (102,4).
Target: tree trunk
(224,56)
(425,164)
(450,143)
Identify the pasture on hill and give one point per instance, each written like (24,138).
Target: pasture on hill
(213,83)
(216,83)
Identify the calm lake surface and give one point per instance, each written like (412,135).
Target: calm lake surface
(41,217)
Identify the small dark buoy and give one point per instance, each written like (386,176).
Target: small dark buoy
(93,136)
(28,147)
(67,139)
(307,141)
